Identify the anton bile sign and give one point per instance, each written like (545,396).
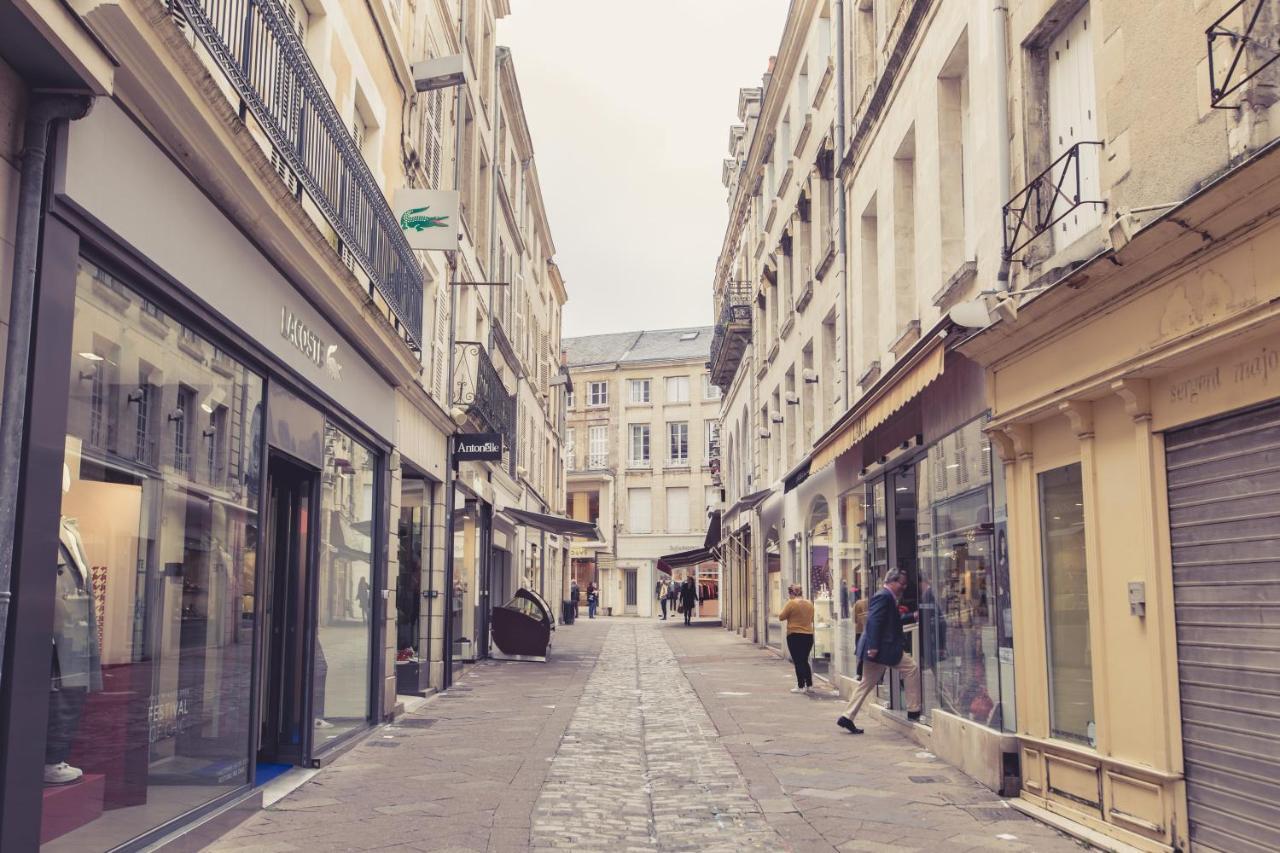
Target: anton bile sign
(428,218)
(477,447)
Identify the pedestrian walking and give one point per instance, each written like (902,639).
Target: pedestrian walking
(593,600)
(362,596)
(575,595)
(844,598)
(688,599)
(798,614)
(663,594)
(881,647)
(673,595)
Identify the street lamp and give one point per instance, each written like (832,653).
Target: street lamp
(443,72)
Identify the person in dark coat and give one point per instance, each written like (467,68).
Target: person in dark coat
(881,647)
(575,595)
(689,599)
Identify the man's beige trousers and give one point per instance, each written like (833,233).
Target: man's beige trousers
(872,672)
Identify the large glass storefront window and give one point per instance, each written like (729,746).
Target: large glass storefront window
(1067,605)
(151,663)
(773,588)
(341,674)
(851,580)
(820,586)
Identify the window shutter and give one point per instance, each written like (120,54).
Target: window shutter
(439,363)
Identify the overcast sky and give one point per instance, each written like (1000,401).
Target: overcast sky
(630,104)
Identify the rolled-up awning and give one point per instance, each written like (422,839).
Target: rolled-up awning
(712,539)
(554,524)
(745,504)
(687,558)
(876,407)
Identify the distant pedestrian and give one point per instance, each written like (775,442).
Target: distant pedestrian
(593,600)
(844,598)
(798,614)
(362,596)
(688,599)
(673,595)
(575,595)
(882,646)
(662,593)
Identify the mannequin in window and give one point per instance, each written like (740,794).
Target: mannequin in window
(76,666)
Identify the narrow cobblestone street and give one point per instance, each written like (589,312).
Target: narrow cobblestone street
(638,736)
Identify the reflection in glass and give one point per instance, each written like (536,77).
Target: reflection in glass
(851,579)
(820,587)
(773,582)
(341,670)
(154,611)
(1067,604)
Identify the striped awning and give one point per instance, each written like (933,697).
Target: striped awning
(875,408)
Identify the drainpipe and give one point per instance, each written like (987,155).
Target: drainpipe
(1000,24)
(44,112)
(842,236)
(446,646)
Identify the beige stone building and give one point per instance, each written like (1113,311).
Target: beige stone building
(642,435)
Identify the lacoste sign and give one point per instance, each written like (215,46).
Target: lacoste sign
(428,218)
(477,447)
(307,342)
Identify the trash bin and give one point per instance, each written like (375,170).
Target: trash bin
(566,613)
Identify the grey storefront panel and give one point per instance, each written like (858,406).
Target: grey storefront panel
(1224,520)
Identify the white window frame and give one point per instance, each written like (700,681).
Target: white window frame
(710,430)
(598,393)
(597,447)
(635,385)
(570,448)
(710,391)
(646,433)
(681,386)
(680,429)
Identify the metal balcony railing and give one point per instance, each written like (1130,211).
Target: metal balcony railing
(1252,43)
(478,388)
(253,44)
(1044,202)
(735,318)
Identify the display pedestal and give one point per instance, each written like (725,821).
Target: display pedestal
(409,678)
(113,738)
(68,807)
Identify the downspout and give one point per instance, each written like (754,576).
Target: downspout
(1000,24)
(842,237)
(44,112)
(449,473)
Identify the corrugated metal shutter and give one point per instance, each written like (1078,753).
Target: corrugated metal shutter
(1224,517)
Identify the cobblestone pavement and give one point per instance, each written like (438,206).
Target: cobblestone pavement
(641,766)
(644,736)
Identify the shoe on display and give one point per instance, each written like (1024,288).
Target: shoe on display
(61,773)
(797,690)
(323,724)
(913,715)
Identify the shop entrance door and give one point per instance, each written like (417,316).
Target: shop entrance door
(284,583)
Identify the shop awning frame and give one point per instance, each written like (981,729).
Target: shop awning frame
(557,524)
(897,388)
(687,558)
(712,539)
(745,504)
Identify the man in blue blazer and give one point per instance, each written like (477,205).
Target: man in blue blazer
(882,646)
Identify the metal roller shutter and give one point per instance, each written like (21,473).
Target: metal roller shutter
(1224,520)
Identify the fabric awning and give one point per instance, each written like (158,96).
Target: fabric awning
(687,558)
(875,408)
(712,539)
(797,476)
(554,524)
(744,504)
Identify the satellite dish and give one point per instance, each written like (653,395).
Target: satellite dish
(971,315)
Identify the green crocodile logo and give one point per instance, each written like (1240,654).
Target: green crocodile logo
(416,219)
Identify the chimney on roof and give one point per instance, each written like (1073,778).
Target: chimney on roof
(772,61)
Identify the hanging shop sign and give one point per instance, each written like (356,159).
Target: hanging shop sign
(478,447)
(428,218)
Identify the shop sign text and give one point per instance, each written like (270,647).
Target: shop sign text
(312,346)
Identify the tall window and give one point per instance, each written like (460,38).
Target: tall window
(639,389)
(639,443)
(140,397)
(677,389)
(639,511)
(711,434)
(568,400)
(598,451)
(597,393)
(1066,592)
(712,496)
(181,434)
(678,510)
(710,391)
(678,442)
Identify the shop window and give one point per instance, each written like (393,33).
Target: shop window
(152,654)
(340,686)
(773,592)
(1067,605)
(820,586)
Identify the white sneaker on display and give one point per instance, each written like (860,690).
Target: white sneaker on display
(799,690)
(61,773)
(323,724)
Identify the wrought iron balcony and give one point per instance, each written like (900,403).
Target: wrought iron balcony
(1044,202)
(732,334)
(253,44)
(478,389)
(1242,43)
